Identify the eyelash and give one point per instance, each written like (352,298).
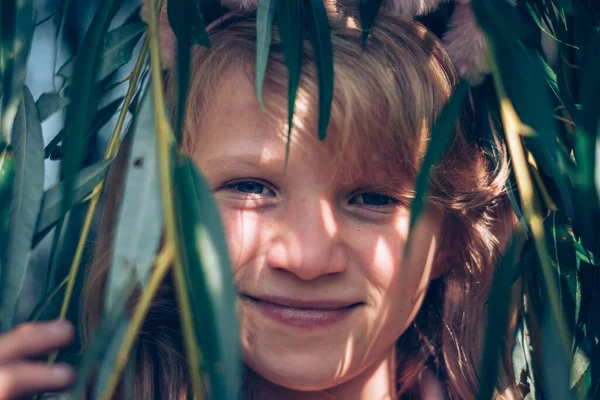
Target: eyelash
(391,201)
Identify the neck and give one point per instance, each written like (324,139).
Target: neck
(376,382)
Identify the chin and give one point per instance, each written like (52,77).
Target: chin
(297,372)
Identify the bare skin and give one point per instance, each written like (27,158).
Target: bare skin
(20,375)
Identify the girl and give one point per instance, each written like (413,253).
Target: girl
(331,304)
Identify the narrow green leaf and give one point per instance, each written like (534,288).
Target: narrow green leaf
(289,17)
(497,311)
(186,21)
(17,23)
(321,39)
(84,96)
(100,119)
(51,210)
(28,189)
(441,133)
(265,15)
(368,11)
(140,223)
(7,178)
(119,46)
(210,282)
(110,355)
(50,103)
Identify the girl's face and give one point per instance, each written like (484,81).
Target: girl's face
(324,284)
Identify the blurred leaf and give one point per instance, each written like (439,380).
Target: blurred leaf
(17,23)
(28,189)
(497,310)
(49,103)
(118,48)
(323,53)
(140,223)
(523,78)
(289,17)
(264,31)
(368,11)
(100,119)
(186,21)
(84,99)
(209,281)
(442,131)
(111,354)
(7,178)
(117,51)
(51,210)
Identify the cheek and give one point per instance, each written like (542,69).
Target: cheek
(242,229)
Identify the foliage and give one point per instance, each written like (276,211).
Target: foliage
(546,109)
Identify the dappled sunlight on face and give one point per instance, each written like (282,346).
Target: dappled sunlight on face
(317,256)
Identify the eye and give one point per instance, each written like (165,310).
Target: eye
(374,200)
(250,187)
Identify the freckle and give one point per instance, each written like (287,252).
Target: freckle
(138,162)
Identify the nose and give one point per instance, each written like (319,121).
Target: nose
(307,242)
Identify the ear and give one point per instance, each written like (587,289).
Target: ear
(165,33)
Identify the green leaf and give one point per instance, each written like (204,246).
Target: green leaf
(523,76)
(51,210)
(100,119)
(50,103)
(289,17)
(321,40)
(497,311)
(17,23)
(140,223)
(368,11)
(7,178)
(442,131)
(118,48)
(265,15)
(187,23)
(210,282)
(28,190)
(84,96)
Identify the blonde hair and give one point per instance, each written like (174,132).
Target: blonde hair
(386,98)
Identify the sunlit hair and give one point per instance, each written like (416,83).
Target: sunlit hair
(385,102)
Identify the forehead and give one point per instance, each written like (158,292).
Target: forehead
(235,128)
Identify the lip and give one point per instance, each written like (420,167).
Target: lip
(304,314)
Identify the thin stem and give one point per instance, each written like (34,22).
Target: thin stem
(165,141)
(163,262)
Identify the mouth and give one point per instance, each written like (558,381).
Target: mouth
(303,314)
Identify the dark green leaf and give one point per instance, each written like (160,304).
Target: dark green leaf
(497,310)
(210,283)
(368,11)
(323,51)
(264,31)
(16,32)
(84,96)
(51,209)
(119,46)
(289,17)
(49,103)
(140,224)
(100,119)
(28,189)
(186,21)
(441,133)
(7,178)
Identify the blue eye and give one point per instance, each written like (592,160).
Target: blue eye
(250,187)
(373,199)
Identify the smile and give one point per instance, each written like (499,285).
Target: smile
(302,314)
